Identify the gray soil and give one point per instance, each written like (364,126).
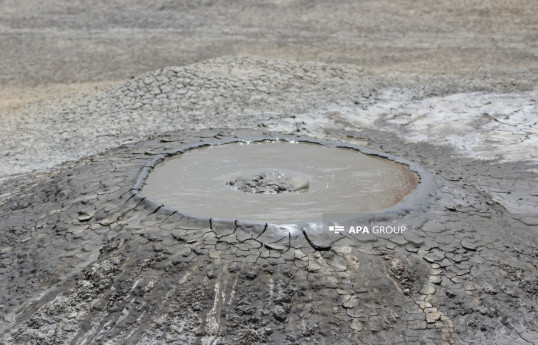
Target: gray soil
(87,261)
(45,41)
(451,86)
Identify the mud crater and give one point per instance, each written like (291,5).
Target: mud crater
(278,181)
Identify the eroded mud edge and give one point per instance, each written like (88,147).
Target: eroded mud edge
(418,200)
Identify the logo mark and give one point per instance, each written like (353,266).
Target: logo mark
(336,228)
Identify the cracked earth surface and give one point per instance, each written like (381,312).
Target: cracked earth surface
(450,85)
(83,260)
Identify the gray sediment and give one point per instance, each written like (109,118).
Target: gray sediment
(98,253)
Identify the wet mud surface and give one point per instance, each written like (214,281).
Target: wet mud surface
(270,182)
(86,260)
(323,179)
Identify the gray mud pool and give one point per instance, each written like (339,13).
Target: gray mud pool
(277,182)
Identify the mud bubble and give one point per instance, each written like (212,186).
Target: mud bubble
(270,182)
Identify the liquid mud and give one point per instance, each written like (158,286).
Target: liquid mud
(202,182)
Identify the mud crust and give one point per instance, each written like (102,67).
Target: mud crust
(85,259)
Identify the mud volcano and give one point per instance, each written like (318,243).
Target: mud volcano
(90,258)
(278,181)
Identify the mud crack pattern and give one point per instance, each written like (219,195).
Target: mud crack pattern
(85,261)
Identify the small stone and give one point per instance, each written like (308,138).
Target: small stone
(351,303)
(375,324)
(299,254)
(6,250)
(356,325)
(84,218)
(490,291)
(185,252)
(457,280)
(482,310)
(429,259)
(411,248)
(414,239)
(427,289)
(468,245)
(424,305)
(469,287)
(107,221)
(435,279)
(279,313)
(313,266)
(251,275)
(432,317)
(398,240)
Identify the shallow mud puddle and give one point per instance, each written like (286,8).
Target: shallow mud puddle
(307,180)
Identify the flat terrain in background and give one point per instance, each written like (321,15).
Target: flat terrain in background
(65,42)
(54,54)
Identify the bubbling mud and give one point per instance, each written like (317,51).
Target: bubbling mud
(271,182)
(278,182)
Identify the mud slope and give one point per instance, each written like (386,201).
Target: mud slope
(85,261)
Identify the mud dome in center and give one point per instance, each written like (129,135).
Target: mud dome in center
(281,182)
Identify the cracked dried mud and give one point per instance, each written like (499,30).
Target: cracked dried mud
(96,263)
(448,89)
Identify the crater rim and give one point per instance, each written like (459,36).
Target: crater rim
(416,200)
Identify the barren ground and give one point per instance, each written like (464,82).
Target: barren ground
(87,100)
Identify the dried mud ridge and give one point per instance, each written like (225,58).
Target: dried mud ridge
(86,260)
